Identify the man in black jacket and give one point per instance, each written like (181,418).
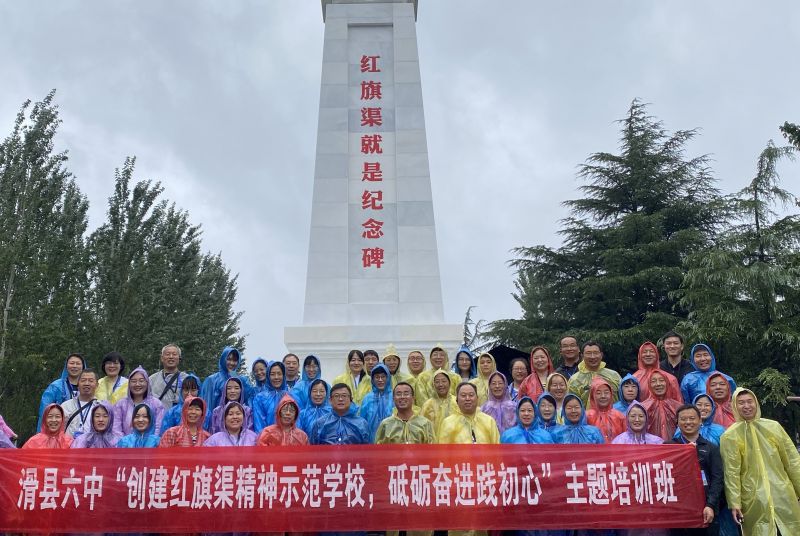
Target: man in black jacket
(711,470)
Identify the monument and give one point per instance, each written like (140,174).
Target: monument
(373,265)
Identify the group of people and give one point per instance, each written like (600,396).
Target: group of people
(469,401)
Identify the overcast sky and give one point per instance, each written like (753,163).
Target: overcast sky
(219,100)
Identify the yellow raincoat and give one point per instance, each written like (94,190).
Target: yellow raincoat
(481,381)
(424,387)
(580,382)
(437,409)
(364,385)
(395,430)
(762,473)
(462,429)
(105,389)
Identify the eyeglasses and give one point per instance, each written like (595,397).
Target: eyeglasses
(340,396)
(403,395)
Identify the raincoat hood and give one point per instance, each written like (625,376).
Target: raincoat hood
(140,370)
(473,371)
(283,386)
(227,407)
(672,389)
(494,366)
(285,401)
(637,404)
(260,384)
(44,430)
(184,411)
(325,402)
(640,360)
(424,362)
(223,398)
(550,379)
(597,382)
(65,374)
(446,356)
(305,376)
(387,389)
(150,427)
(629,378)
(94,439)
(506,395)
(223,358)
(740,391)
(441,372)
(535,412)
(706,347)
(714,375)
(710,418)
(539,419)
(567,422)
(181,380)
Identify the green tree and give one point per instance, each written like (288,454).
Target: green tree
(642,212)
(43,280)
(744,293)
(152,283)
(791,132)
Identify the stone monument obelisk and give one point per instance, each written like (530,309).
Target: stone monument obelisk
(373,264)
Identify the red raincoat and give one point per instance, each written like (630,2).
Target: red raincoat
(275,435)
(610,421)
(644,372)
(531,386)
(662,412)
(47,440)
(724,414)
(181,436)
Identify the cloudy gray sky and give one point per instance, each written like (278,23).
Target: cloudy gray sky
(218,100)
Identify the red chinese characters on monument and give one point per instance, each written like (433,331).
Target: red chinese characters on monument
(371,200)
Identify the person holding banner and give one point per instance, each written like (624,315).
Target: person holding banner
(312,370)
(65,387)
(469,425)
(711,470)
(442,404)
(526,431)
(101,433)
(113,386)
(285,430)
(166,383)
(190,386)
(235,432)
(341,426)
(143,426)
(762,471)
(404,427)
(318,405)
(138,392)
(575,429)
(189,433)
(378,404)
(52,434)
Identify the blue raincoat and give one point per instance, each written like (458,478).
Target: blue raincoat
(172,417)
(621,405)
(302,388)
(378,404)
(519,434)
(259,386)
(59,391)
(333,429)
(576,433)
(214,419)
(694,383)
(540,422)
(266,402)
(474,370)
(310,414)
(211,389)
(147,439)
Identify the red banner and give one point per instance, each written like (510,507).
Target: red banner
(358,487)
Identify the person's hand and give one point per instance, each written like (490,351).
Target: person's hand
(737,514)
(708,516)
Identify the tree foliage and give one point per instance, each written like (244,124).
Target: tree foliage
(138,281)
(642,211)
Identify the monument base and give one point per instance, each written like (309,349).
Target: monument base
(331,344)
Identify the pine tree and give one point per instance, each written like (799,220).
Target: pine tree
(744,293)
(643,211)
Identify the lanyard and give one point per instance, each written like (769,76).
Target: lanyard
(84,411)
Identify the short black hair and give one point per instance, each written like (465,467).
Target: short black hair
(338,386)
(113,357)
(669,334)
(190,380)
(290,355)
(462,384)
(89,371)
(358,353)
(592,343)
(370,352)
(569,336)
(686,407)
(405,383)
